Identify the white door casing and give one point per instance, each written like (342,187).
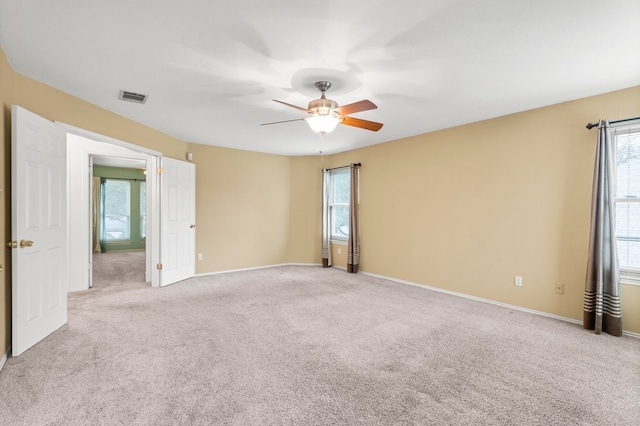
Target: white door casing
(91,226)
(82,145)
(38,215)
(177,249)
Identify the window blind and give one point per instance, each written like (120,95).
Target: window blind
(627,195)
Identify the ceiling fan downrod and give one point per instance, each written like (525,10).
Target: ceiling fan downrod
(323,106)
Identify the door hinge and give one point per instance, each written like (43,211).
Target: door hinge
(159,266)
(160,170)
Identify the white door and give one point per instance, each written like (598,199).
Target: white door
(177,249)
(38,228)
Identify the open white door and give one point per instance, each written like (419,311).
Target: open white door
(177,211)
(38,228)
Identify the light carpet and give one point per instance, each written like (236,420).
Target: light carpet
(298,345)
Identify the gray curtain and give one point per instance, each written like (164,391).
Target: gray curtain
(602,290)
(326,221)
(353,254)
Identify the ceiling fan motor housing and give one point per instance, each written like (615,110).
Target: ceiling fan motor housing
(322,106)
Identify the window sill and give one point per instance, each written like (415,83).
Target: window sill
(630,281)
(340,242)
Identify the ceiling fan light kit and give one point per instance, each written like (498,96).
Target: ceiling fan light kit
(323,123)
(326,114)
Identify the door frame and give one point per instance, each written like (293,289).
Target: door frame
(79,225)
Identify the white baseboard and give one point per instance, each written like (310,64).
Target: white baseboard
(630,334)
(256,267)
(4,358)
(492,302)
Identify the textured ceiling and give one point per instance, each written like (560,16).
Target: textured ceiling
(212,68)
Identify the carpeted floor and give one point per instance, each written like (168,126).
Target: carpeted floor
(302,345)
(119,270)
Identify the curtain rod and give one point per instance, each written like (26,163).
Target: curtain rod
(592,125)
(342,167)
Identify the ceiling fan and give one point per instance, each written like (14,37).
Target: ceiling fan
(326,114)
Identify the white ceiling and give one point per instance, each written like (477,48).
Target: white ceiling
(212,68)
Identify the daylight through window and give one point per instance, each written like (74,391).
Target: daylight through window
(339,203)
(627,198)
(117,210)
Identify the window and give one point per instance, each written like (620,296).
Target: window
(143,210)
(117,208)
(339,203)
(627,198)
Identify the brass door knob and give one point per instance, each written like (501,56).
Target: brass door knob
(25,243)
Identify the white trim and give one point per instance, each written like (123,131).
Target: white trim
(96,144)
(629,280)
(3,361)
(489,301)
(625,123)
(228,271)
(102,138)
(477,299)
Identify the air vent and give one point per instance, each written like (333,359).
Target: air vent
(133,97)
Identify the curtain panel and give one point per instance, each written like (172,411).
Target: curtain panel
(326,221)
(602,288)
(353,254)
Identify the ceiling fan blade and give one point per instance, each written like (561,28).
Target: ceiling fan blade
(293,106)
(364,105)
(285,121)
(363,124)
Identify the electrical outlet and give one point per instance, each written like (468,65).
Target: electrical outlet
(339,251)
(560,288)
(518,281)
(199,256)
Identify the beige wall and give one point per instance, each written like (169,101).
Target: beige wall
(468,208)
(242,208)
(305,225)
(464,209)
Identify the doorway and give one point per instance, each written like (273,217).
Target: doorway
(83,148)
(118,222)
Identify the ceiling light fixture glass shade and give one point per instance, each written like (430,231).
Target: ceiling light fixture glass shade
(323,123)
